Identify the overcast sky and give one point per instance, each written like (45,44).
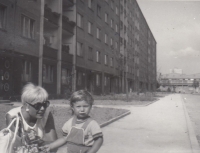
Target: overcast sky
(176,28)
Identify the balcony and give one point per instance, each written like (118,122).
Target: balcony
(67,4)
(65,54)
(68,25)
(51,16)
(49,52)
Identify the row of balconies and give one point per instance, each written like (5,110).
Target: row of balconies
(50,52)
(53,17)
(50,15)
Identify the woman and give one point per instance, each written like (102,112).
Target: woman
(36,118)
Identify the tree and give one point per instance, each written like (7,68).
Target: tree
(195,83)
(157,84)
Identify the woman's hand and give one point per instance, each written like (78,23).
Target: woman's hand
(31,135)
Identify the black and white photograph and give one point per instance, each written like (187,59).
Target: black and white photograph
(99,76)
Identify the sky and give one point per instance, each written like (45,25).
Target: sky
(176,28)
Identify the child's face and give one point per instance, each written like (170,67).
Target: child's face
(81,109)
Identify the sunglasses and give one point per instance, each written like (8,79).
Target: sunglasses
(38,105)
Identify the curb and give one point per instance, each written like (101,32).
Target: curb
(145,104)
(114,119)
(191,133)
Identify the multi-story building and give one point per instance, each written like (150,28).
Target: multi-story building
(103,46)
(98,45)
(138,47)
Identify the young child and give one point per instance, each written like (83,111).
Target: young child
(81,134)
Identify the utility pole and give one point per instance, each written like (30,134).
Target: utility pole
(126,75)
(74,52)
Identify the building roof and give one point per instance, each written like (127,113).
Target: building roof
(180,76)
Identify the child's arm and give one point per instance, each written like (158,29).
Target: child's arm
(97,144)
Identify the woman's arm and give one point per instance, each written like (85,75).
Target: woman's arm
(97,144)
(50,131)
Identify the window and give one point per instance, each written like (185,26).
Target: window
(79,78)
(98,56)
(112,5)
(111,61)
(27,27)
(79,20)
(106,17)
(90,53)
(98,33)
(98,11)
(116,10)
(121,40)
(121,10)
(105,81)
(65,78)
(97,80)
(119,83)
(116,45)
(121,25)
(106,59)
(48,40)
(106,38)
(124,29)
(90,3)
(79,49)
(48,71)
(26,71)
(89,27)
(2,16)
(124,43)
(111,23)
(125,13)
(111,42)
(116,28)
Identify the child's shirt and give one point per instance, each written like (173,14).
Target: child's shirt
(91,132)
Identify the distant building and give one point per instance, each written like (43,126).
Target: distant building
(179,82)
(176,70)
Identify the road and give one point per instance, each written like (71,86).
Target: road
(192,103)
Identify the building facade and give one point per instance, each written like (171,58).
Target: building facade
(138,47)
(104,46)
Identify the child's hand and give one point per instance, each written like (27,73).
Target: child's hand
(45,149)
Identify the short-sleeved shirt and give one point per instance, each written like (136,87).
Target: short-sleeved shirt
(38,127)
(91,132)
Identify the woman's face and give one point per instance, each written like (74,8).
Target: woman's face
(37,109)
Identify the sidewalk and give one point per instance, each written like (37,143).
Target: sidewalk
(162,127)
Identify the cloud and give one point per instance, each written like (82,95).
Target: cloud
(187,52)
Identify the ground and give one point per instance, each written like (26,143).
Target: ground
(101,115)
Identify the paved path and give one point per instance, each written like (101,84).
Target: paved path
(162,127)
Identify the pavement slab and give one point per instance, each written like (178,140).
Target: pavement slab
(161,127)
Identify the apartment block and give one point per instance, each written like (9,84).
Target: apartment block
(138,47)
(103,46)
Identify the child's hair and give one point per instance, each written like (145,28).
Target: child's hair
(32,93)
(81,95)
